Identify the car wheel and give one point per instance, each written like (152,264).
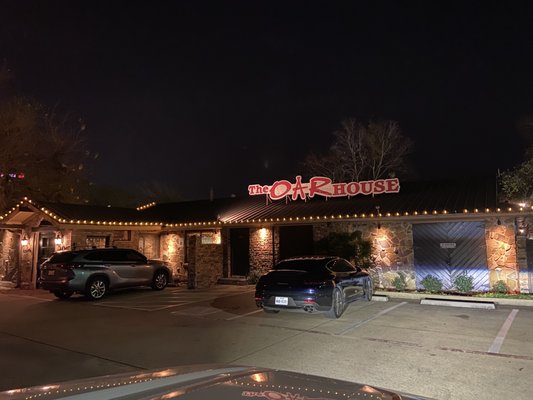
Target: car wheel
(160,280)
(62,294)
(337,304)
(270,310)
(96,288)
(369,289)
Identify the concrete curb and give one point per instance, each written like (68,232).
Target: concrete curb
(485,305)
(451,298)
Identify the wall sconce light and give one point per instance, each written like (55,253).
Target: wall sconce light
(499,222)
(59,240)
(24,241)
(379,225)
(521,229)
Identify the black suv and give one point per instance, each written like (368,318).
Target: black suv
(94,272)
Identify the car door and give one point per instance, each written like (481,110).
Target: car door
(346,278)
(123,268)
(141,270)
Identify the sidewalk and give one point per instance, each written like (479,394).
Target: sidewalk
(421,296)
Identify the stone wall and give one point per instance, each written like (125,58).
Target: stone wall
(392,248)
(9,255)
(502,253)
(172,251)
(208,264)
(261,249)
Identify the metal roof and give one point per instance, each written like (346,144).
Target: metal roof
(450,197)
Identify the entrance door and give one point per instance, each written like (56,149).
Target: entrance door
(240,251)
(446,250)
(46,248)
(295,241)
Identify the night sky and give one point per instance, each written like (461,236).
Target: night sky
(222,94)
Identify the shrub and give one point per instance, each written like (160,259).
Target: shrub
(500,287)
(253,276)
(399,282)
(464,283)
(432,284)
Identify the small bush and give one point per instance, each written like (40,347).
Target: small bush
(500,287)
(253,276)
(432,284)
(464,283)
(399,282)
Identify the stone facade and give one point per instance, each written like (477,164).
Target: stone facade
(502,252)
(9,255)
(172,250)
(207,261)
(261,253)
(392,246)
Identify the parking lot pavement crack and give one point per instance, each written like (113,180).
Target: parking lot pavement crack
(73,351)
(487,353)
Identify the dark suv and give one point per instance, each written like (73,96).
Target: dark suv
(94,272)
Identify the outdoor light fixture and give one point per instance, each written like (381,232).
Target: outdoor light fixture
(59,240)
(24,241)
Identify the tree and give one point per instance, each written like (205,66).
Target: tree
(351,246)
(372,151)
(47,150)
(516,185)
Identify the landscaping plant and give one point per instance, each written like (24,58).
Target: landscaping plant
(464,283)
(432,284)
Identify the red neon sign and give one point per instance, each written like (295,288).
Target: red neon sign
(322,186)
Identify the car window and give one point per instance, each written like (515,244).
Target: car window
(135,256)
(302,265)
(340,266)
(95,256)
(58,258)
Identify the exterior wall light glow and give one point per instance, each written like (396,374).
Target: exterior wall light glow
(58,240)
(24,241)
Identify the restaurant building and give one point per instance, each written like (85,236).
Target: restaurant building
(417,229)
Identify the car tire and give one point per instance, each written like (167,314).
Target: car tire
(96,288)
(62,294)
(337,304)
(270,310)
(160,280)
(369,289)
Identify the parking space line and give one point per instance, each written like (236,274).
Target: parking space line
(498,341)
(358,324)
(244,315)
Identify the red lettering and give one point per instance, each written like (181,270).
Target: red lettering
(266,189)
(366,187)
(254,190)
(315,185)
(393,185)
(299,189)
(352,188)
(273,395)
(280,189)
(379,186)
(339,189)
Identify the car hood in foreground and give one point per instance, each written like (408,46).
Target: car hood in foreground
(207,382)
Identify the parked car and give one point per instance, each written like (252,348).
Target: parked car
(326,284)
(95,272)
(205,382)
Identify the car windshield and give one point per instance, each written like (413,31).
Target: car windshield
(302,265)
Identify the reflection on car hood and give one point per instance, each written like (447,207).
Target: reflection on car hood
(202,382)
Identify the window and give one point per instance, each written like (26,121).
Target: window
(97,242)
(340,266)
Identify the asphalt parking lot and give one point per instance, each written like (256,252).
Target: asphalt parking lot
(435,351)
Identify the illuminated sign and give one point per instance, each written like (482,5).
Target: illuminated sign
(322,186)
(12,175)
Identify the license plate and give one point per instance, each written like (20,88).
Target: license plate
(51,272)
(282,301)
